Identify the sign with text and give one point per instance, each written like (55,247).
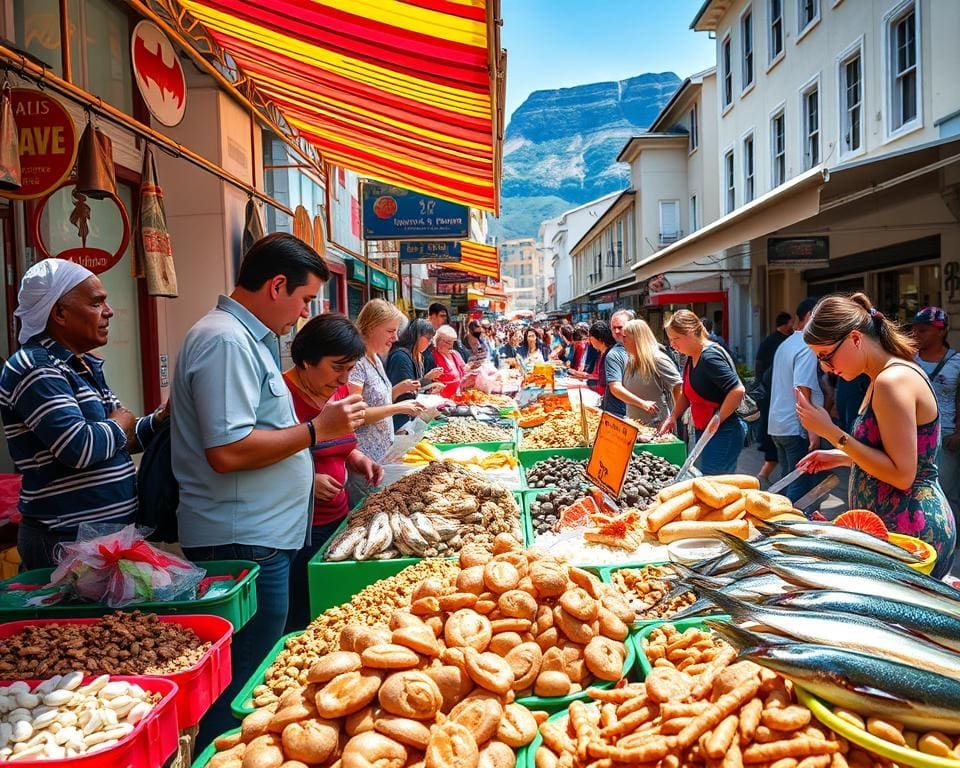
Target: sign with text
(394,213)
(455,276)
(798,252)
(611,452)
(48,143)
(429,251)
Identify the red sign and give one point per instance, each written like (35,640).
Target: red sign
(158,73)
(48,142)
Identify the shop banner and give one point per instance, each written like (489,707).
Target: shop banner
(48,143)
(448,276)
(394,213)
(429,251)
(798,252)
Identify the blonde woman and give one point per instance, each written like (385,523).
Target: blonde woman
(651,383)
(378,323)
(711,388)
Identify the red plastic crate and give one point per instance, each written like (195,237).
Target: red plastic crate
(200,685)
(151,742)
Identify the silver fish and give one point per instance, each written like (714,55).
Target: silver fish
(344,543)
(378,536)
(827,549)
(426,528)
(838,533)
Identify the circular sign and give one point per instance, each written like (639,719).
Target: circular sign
(159,75)
(48,142)
(97,260)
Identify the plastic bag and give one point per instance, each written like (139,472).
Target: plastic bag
(114,565)
(488,378)
(10,498)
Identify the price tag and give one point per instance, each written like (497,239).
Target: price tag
(610,456)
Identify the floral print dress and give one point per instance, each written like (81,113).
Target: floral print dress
(921,511)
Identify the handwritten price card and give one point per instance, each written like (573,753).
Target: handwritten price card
(610,456)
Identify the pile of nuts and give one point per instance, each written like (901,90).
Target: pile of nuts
(121,643)
(644,588)
(562,430)
(368,607)
(461,430)
(61,718)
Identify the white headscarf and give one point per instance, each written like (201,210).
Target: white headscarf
(44,284)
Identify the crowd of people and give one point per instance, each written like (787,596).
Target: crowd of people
(269,462)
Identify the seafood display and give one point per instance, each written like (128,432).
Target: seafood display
(650,591)
(433,512)
(479,397)
(467,430)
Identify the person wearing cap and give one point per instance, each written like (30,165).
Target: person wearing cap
(942,366)
(67,433)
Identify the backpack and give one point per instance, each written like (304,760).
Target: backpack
(158,493)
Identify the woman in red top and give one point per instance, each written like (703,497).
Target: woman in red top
(324,352)
(456,373)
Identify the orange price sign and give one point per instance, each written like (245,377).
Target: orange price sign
(610,456)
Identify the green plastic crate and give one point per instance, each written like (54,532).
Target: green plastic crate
(204,758)
(643,663)
(510,446)
(675,452)
(237,606)
(334,583)
(242,704)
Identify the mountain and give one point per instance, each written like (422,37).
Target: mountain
(560,147)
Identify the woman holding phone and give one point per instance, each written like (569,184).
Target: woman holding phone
(406,362)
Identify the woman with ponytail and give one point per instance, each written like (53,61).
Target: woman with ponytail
(891,475)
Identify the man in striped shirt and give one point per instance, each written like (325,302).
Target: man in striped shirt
(67,433)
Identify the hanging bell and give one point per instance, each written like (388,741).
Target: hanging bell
(10,178)
(95,174)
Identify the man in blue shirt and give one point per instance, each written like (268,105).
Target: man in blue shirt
(240,455)
(614,365)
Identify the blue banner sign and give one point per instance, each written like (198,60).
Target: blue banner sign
(429,251)
(394,213)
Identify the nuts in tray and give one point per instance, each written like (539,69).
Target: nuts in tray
(60,718)
(562,430)
(464,430)
(121,643)
(644,588)
(934,743)
(717,712)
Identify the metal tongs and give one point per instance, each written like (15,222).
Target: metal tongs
(712,426)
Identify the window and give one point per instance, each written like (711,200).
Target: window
(778,149)
(775,30)
(727,71)
(619,245)
(694,128)
(748,169)
(808,11)
(669,221)
(851,103)
(746,46)
(810,114)
(730,182)
(694,214)
(903,69)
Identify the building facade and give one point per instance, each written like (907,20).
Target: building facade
(522,261)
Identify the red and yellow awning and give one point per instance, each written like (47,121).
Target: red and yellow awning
(405,91)
(477,259)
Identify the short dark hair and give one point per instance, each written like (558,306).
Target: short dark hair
(782,319)
(280,253)
(436,308)
(600,330)
(805,307)
(707,323)
(327,336)
(413,332)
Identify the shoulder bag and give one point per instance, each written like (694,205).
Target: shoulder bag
(748,410)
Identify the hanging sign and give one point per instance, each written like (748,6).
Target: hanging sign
(429,251)
(47,143)
(158,73)
(394,213)
(611,453)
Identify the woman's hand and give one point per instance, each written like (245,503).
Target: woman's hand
(409,408)
(818,461)
(365,467)
(434,373)
(325,487)
(649,406)
(813,418)
(406,386)
(669,425)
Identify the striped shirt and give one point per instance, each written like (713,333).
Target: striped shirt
(55,408)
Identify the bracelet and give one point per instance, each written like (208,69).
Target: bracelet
(842,441)
(313,432)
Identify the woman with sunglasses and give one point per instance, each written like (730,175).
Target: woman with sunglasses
(893,476)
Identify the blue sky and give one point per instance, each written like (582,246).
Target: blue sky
(560,43)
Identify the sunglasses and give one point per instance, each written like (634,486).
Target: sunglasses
(827,359)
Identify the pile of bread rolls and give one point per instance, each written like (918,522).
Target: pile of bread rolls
(706,506)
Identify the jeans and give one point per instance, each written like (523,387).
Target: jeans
(37,545)
(948,466)
(299,615)
(252,643)
(721,453)
(790,449)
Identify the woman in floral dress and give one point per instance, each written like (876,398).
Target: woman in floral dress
(890,475)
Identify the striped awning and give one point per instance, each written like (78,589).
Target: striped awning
(409,92)
(477,259)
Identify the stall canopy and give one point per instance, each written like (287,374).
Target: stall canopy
(477,259)
(406,91)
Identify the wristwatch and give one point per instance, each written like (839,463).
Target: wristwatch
(842,441)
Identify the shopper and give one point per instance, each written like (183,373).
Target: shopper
(711,387)
(477,344)
(238,451)
(378,323)
(437,315)
(601,340)
(794,368)
(456,374)
(509,352)
(67,433)
(532,348)
(651,383)
(892,473)
(614,364)
(563,350)
(716,338)
(324,351)
(763,368)
(406,362)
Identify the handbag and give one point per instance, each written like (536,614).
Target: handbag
(748,410)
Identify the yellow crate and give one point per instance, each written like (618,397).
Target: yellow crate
(9,562)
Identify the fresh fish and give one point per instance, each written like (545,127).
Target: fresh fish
(921,700)
(838,533)
(855,633)
(377,536)
(935,626)
(827,549)
(344,543)
(751,589)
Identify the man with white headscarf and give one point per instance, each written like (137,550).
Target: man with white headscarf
(67,432)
